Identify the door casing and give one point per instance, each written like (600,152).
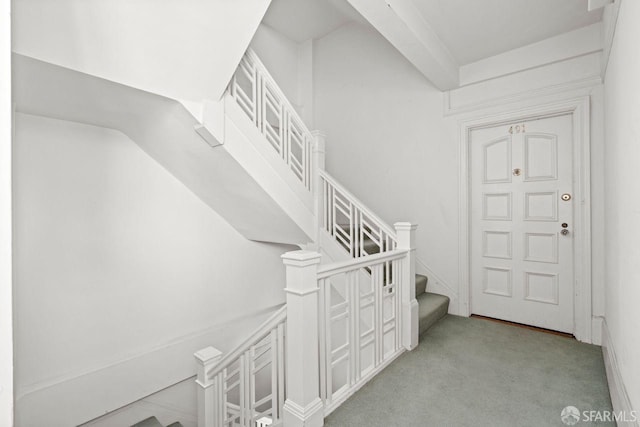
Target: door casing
(579,109)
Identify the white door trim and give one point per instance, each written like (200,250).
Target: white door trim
(579,108)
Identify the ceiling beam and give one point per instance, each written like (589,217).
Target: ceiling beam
(597,4)
(401,23)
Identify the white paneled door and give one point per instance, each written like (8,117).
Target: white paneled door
(521,223)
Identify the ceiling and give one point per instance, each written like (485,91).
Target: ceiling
(441,37)
(301,20)
(476,29)
(470,29)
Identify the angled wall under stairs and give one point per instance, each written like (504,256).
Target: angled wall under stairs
(165,129)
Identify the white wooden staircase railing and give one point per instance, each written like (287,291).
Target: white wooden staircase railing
(355,227)
(257,93)
(343,322)
(247,385)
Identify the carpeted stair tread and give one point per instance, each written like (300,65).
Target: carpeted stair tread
(148,422)
(176,424)
(431,308)
(421,284)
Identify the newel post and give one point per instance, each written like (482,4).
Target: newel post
(303,406)
(206,359)
(318,162)
(406,241)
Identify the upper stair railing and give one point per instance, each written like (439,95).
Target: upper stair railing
(257,93)
(355,227)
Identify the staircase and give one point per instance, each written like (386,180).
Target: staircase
(431,307)
(153,422)
(354,301)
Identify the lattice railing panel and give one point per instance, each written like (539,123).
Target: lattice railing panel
(250,385)
(257,93)
(350,223)
(360,322)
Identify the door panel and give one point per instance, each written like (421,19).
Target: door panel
(521,264)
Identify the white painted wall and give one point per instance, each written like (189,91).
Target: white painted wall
(622,184)
(291,66)
(389,142)
(181,49)
(6,282)
(280,55)
(116,260)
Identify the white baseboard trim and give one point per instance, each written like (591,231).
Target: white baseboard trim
(83,396)
(619,397)
(596,330)
(437,285)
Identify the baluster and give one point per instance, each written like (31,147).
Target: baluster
(281,370)
(397,268)
(286,141)
(251,389)
(274,372)
(377,280)
(353,243)
(406,241)
(208,394)
(354,339)
(318,145)
(255,86)
(322,337)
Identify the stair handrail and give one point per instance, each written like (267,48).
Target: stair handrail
(339,267)
(266,94)
(345,293)
(276,318)
(217,376)
(331,190)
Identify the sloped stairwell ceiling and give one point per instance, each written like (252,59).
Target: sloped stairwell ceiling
(183,49)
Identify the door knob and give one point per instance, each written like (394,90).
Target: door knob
(564,232)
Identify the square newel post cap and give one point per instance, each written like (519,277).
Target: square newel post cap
(301,258)
(405,226)
(208,356)
(319,139)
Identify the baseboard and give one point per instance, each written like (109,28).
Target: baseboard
(437,285)
(83,396)
(596,330)
(619,397)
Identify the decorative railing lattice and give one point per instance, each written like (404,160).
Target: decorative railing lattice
(360,322)
(247,386)
(257,93)
(358,230)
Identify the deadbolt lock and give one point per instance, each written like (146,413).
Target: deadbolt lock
(565,225)
(566,197)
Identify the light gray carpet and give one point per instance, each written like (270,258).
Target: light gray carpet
(474,372)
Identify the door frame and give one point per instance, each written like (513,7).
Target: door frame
(579,109)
